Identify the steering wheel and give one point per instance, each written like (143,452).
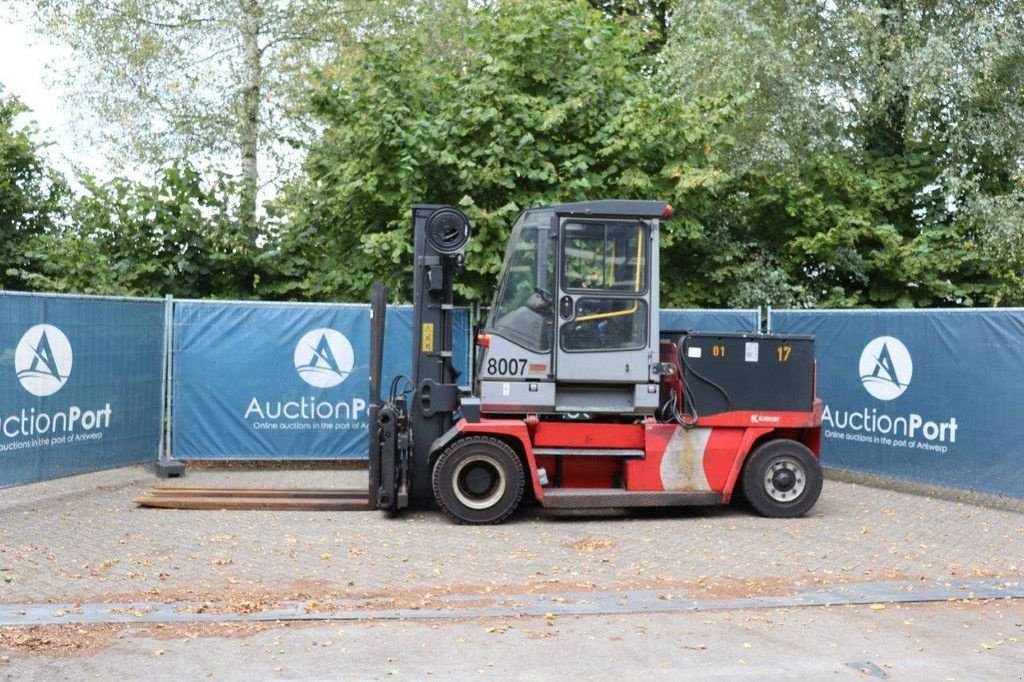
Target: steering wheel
(540,301)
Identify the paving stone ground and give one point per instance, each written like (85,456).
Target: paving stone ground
(82,539)
(909,642)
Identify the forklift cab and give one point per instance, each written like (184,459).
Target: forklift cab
(571,327)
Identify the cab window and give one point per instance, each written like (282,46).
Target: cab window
(608,256)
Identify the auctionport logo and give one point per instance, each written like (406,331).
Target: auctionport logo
(886,368)
(885,372)
(324,358)
(43,360)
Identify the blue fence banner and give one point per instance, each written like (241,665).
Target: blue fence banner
(684,319)
(282,381)
(932,396)
(81,384)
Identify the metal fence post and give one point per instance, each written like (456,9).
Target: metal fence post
(166,466)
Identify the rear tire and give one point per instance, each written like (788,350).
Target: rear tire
(782,479)
(478,480)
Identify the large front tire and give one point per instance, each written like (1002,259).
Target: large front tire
(478,480)
(782,479)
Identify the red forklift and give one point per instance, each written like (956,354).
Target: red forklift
(579,400)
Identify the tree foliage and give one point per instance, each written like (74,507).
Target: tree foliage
(31,194)
(877,139)
(178,235)
(653,16)
(515,104)
(840,153)
(219,83)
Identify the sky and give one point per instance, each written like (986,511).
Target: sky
(27,62)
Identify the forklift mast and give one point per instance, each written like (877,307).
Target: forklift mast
(402,433)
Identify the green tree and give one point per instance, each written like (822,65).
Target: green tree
(178,235)
(214,82)
(654,16)
(31,194)
(878,158)
(503,106)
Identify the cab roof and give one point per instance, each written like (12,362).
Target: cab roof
(627,208)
